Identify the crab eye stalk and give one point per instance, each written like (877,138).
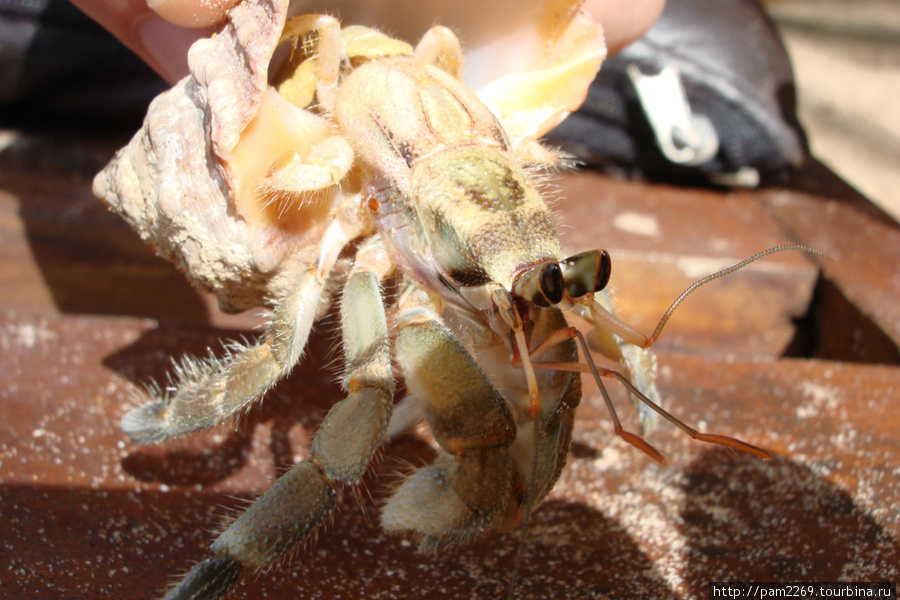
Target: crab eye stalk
(542,284)
(586,273)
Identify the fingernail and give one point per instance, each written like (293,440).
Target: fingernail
(189,13)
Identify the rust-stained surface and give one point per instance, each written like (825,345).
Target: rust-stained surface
(65,252)
(89,515)
(663,239)
(863,278)
(85,514)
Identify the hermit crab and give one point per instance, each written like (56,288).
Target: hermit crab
(355,166)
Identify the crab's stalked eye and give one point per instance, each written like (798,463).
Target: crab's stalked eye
(542,284)
(586,273)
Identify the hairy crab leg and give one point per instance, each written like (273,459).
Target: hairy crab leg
(440,47)
(459,495)
(295,179)
(328,52)
(210,391)
(353,429)
(297,176)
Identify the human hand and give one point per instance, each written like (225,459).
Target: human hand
(161,31)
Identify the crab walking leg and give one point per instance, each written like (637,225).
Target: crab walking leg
(293,178)
(328,52)
(353,429)
(440,47)
(356,426)
(210,391)
(458,496)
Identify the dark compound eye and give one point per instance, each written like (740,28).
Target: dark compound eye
(586,272)
(542,284)
(552,283)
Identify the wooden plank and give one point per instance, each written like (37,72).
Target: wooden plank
(858,315)
(88,315)
(63,251)
(88,515)
(663,238)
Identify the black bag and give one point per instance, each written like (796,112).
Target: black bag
(739,125)
(57,62)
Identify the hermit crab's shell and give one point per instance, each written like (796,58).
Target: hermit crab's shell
(172,183)
(187,180)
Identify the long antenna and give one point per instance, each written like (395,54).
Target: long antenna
(723,273)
